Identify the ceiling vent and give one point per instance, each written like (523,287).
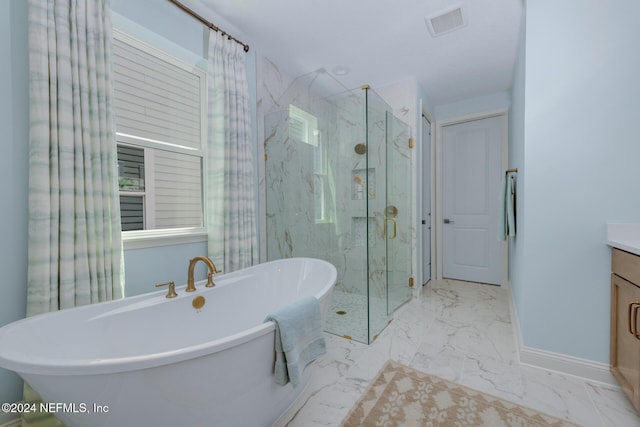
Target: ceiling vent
(445,21)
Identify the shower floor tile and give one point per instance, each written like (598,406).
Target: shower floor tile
(348,313)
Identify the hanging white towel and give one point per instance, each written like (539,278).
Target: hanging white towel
(507,209)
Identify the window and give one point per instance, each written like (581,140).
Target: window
(303,127)
(131,184)
(160,111)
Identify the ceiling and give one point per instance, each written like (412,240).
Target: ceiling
(381,42)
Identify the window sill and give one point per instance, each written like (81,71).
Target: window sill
(155,238)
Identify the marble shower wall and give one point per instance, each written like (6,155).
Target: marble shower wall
(297,172)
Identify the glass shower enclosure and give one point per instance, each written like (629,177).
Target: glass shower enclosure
(338,188)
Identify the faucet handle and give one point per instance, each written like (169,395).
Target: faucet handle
(172,289)
(210,283)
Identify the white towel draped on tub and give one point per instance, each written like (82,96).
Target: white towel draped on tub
(299,339)
(507,212)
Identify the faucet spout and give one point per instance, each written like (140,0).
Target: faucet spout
(192,265)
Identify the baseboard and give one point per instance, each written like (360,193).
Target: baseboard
(567,365)
(564,364)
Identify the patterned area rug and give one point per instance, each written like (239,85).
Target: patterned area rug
(402,396)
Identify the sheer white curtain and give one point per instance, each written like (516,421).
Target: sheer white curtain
(230,177)
(75,247)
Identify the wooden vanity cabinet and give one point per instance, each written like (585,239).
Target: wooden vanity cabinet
(625,323)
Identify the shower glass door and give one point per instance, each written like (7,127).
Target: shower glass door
(378,229)
(398,213)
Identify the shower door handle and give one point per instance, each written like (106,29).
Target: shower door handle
(390,214)
(395,228)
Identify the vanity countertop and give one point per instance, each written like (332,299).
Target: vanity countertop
(624,236)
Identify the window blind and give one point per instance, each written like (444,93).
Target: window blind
(154,98)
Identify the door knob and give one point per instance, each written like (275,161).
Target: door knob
(448,221)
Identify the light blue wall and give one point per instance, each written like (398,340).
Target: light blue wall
(14,118)
(145,267)
(426,103)
(160,17)
(581,154)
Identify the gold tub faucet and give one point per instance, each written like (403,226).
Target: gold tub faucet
(192,265)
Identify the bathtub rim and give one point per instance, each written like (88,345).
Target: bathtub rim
(36,365)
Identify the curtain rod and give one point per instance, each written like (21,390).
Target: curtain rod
(208,24)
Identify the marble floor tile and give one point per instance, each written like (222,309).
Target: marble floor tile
(495,377)
(614,409)
(442,362)
(462,332)
(558,395)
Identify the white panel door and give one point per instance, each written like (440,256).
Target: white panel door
(471,182)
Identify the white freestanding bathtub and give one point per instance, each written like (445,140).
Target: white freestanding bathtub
(153,361)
